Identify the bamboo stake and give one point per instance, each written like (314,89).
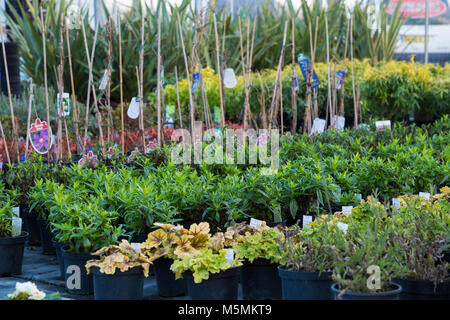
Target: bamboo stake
(316,107)
(74,99)
(49,134)
(121,89)
(108,90)
(294,89)
(30,105)
(5,145)
(263,103)
(353,76)
(59,113)
(341,108)
(158,90)
(243,74)
(273,114)
(178,98)
(88,98)
(307,118)
(191,103)
(141,82)
(249,69)
(333,86)
(358,104)
(329,102)
(15,141)
(219,74)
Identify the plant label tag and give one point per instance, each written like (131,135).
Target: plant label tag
(136,246)
(395,202)
(318,126)
(342,226)
(134,108)
(340,76)
(195,82)
(16,212)
(305,67)
(255,223)
(358,196)
(347,209)
(229,78)
(295,82)
(383,125)
(339,122)
(425,195)
(306,221)
(229,255)
(39,136)
(170,114)
(66,104)
(16,224)
(105,80)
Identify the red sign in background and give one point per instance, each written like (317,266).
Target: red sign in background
(416,8)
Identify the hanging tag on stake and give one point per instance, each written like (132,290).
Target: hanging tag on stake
(66,104)
(229,78)
(383,125)
(339,122)
(318,126)
(151,145)
(340,76)
(305,67)
(134,108)
(39,138)
(104,81)
(170,115)
(295,82)
(195,80)
(306,221)
(162,76)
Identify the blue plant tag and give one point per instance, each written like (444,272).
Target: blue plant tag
(305,67)
(295,81)
(340,76)
(195,82)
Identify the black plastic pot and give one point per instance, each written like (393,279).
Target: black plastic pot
(11,254)
(220,286)
(349,295)
(128,285)
(30,225)
(260,280)
(46,237)
(297,285)
(74,264)
(165,279)
(423,290)
(58,249)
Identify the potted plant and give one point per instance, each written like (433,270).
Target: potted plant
(29,291)
(12,242)
(209,274)
(421,234)
(258,247)
(168,243)
(119,273)
(86,229)
(307,270)
(364,262)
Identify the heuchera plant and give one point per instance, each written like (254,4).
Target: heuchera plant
(122,257)
(174,242)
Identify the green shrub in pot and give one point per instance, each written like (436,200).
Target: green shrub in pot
(421,235)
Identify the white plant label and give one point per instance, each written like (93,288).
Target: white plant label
(347,209)
(104,81)
(425,195)
(339,122)
(16,212)
(306,221)
(229,78)
(134,108)
(66,104)
(229,255)
(255,223)
(16,224)
(358,196)
(318,126)
(342,226)
(383,125)
(396,202)
(136,246)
